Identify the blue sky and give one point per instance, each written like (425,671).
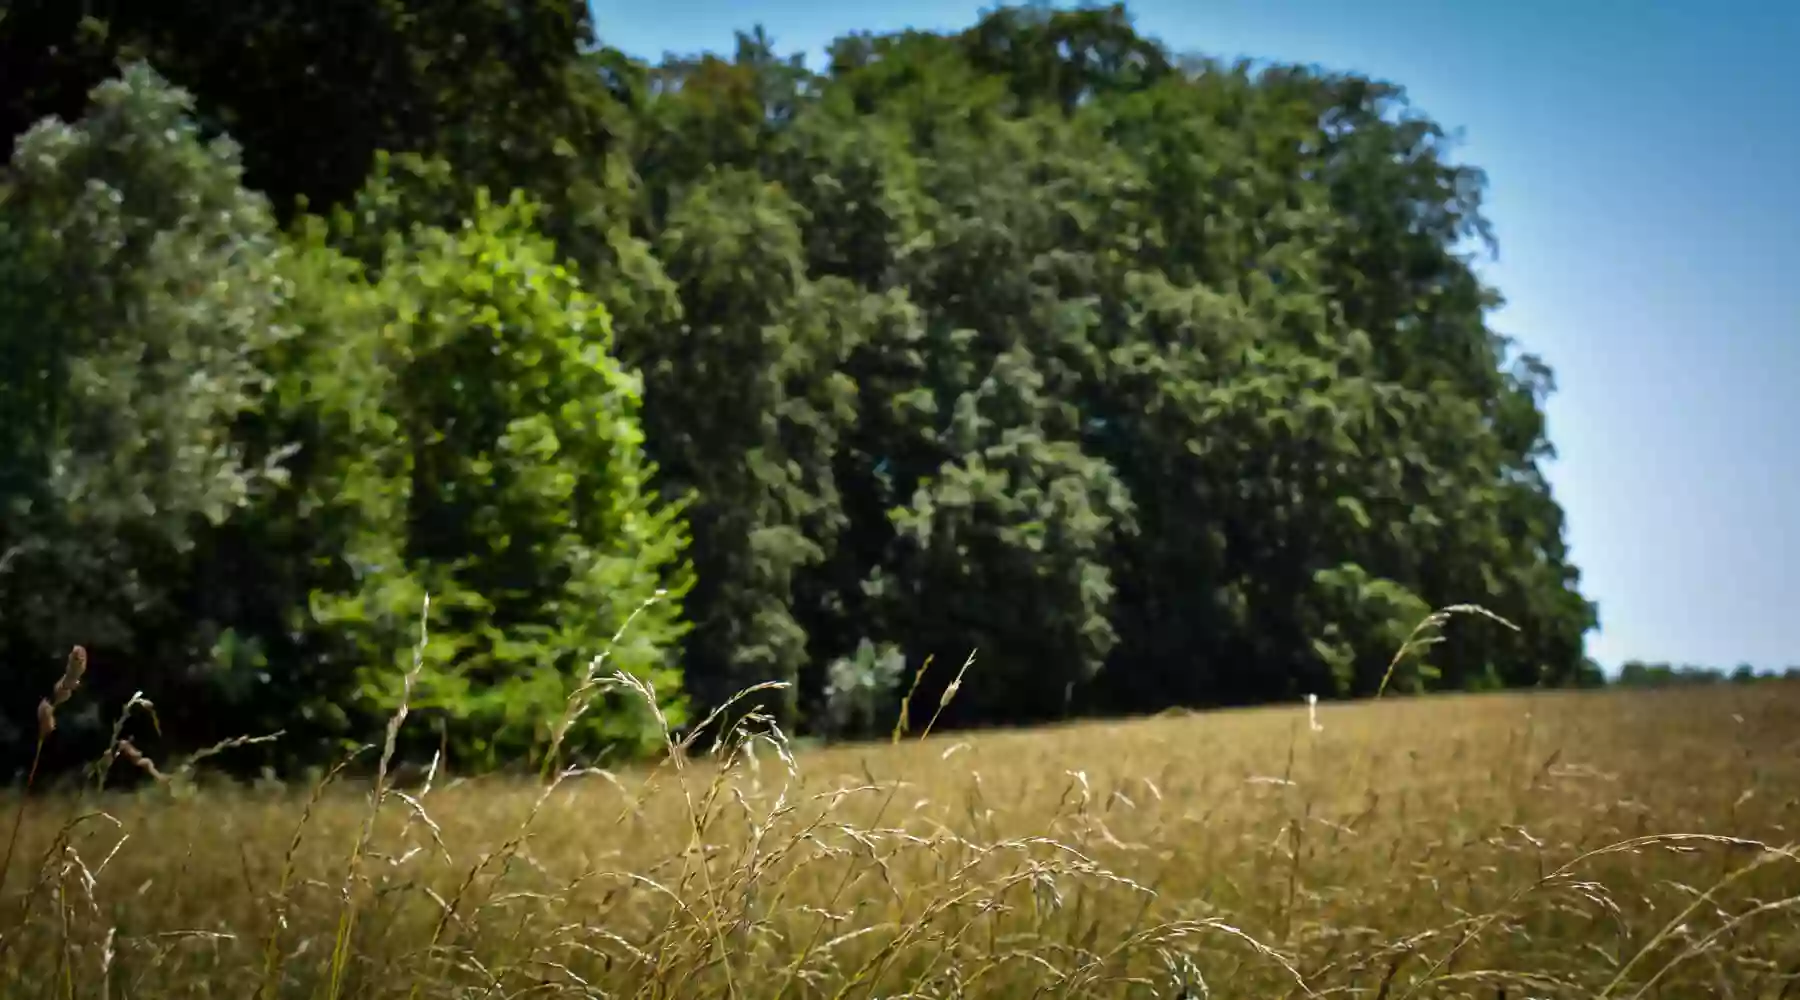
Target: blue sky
(1644,162)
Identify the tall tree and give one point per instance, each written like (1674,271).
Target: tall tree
(514,492)
(141,291)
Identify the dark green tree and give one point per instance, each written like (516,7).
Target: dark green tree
(312,90)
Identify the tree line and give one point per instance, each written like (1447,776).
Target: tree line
(1638,674)
(1143,378)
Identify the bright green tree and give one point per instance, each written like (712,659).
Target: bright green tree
(514,492)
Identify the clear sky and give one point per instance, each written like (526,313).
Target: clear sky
(1644,168)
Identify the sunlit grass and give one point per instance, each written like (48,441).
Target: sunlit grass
(1550,844)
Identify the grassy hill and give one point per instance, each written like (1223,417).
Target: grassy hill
(1569,844)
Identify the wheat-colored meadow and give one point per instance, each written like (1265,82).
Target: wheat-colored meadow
(1596,844)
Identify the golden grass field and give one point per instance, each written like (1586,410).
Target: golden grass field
(1595,844)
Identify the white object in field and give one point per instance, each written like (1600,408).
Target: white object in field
(1312,713)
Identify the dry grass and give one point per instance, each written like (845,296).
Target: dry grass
(1547,845)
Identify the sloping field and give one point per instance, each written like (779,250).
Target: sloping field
(1552,845)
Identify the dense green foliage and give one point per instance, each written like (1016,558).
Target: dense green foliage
(1154,380)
